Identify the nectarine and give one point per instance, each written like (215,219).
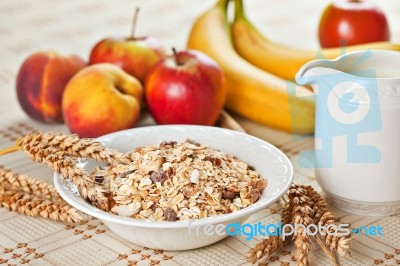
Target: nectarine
(41,81)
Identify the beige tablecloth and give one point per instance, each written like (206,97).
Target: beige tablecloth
(74,27)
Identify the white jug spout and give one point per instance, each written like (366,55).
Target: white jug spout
(311,72)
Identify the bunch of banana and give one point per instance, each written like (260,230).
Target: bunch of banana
(252,92)
(278,59)
(259,72)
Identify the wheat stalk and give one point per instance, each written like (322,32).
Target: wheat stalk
(303,207)
(13,181)
(73,146)
(61,152)
(32,197)
(324,217)
(302,215)
(303,248)
(327,252)
(9,150)
(87,186)
(36,206)
(267,246)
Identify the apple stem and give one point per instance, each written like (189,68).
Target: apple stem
(176,56)
(134,22)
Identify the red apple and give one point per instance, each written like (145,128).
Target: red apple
(352,22)
(186,88)
(134,54)
(101,99)
(41,81)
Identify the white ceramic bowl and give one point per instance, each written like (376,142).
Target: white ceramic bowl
(270,162)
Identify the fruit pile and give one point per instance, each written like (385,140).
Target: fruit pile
(227,64)
(107,94)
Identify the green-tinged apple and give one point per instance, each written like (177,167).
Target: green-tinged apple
(101,99)
(41,81)
(134,54)
(350,22)
(187,87)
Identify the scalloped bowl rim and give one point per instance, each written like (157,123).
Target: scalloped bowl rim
(87,208)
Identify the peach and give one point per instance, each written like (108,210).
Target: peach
(101,99)
(41,81)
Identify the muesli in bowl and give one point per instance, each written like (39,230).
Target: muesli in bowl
(180,181)
(202,176)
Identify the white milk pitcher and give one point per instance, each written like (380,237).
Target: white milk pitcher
(357,129)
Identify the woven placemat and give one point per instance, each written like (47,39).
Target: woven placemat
(74,27)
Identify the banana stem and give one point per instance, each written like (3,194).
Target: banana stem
(239,10)
(222,3)
(9,150)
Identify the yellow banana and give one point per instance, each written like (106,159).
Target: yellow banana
(278,59)
(252,93)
